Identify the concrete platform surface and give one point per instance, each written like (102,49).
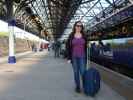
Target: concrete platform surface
(39,76)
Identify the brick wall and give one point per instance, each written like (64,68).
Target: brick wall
(20,46)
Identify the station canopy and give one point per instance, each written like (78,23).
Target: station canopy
(54,18)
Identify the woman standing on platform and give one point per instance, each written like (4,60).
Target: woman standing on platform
(77,52)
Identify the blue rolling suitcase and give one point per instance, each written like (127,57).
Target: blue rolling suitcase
(91,79)
(91,82)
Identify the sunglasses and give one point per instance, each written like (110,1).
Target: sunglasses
(78,25)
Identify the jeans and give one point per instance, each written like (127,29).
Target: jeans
(78,64)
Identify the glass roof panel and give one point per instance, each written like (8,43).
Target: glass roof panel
(88,11)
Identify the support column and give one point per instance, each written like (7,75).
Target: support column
(11,58)
(11,24)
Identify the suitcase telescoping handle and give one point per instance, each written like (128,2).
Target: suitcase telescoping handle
(88,56)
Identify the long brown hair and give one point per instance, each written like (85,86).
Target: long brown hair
(74,30)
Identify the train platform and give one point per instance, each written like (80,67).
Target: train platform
(40,76)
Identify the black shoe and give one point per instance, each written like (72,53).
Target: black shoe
(77,90)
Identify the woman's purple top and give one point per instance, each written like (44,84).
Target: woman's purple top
(78,47)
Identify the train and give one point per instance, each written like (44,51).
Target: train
(112,46)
